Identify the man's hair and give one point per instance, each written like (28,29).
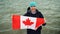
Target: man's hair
(28,8)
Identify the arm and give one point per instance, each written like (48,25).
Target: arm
(41,16)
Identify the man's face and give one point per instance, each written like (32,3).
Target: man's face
(33,8)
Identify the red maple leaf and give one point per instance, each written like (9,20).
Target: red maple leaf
(28,22)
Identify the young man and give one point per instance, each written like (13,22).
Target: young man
(33,12)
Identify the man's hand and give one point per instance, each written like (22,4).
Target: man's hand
(44,24)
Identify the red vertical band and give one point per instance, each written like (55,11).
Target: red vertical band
(15,22)
(39,22)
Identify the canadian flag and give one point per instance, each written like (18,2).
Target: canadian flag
(25,22)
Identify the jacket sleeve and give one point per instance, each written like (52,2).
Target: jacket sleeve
(41,16)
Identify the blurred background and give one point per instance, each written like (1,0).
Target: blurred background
(49,8)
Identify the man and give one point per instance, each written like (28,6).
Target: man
(33,12)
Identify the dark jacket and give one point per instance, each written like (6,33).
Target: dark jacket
(38,15)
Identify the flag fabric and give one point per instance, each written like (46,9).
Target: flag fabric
(25,22)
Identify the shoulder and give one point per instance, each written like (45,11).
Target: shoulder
(38,12)
(26,14)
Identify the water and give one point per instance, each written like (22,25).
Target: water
(49,8)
